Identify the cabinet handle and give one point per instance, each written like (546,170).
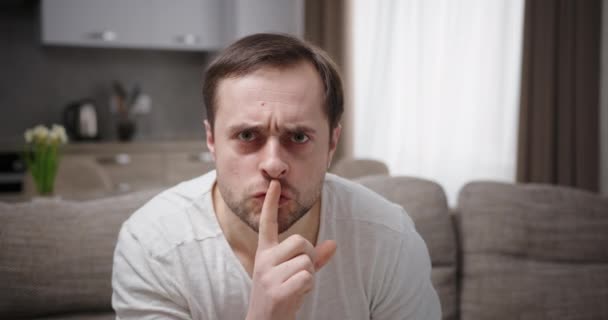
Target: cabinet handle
(106,35)
(122,159)
(123,187)
(188,39)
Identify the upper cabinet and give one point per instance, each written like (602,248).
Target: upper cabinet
(249,17)
(162,24)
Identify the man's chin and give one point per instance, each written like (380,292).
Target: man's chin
(289,212)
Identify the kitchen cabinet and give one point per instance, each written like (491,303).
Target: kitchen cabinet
(157,24)
(186,165)
(139,166)
(249,17)
(132,171)
(201,25)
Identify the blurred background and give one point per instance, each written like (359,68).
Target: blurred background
(450,91)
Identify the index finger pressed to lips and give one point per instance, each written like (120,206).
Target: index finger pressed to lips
(268,234)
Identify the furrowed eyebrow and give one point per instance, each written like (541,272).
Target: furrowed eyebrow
(242,127)
(299,128)
(261,128)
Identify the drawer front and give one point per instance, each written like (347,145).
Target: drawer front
(130,172)
(187,165)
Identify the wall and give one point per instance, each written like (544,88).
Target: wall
(604,102)
(38,81)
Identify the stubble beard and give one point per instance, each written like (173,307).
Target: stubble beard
(248,210)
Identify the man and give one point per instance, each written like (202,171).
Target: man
(268,234)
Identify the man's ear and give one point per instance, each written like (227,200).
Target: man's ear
(333,142)
(210,139)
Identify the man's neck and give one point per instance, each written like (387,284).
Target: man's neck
(244,241)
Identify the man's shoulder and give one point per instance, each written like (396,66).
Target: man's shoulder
(175,216)
(350,201)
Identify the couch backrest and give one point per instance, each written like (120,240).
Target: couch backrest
(533,252)
(56,256)
(354,168)
(425,202)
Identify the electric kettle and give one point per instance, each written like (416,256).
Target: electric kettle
(80,120)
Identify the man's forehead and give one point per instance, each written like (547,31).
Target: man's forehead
(293,84)
(270,95)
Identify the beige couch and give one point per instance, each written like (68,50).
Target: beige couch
(506,252)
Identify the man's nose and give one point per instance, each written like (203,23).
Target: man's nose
(273,164)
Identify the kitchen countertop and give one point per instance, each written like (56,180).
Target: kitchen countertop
(136,147)
(113,147)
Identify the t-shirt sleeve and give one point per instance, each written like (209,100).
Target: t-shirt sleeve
(142,286)
(407,291)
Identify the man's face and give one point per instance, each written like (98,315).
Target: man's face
(270,124)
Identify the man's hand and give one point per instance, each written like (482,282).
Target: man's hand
(283,272)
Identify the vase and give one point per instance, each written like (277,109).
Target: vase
(42,155)
(43,164)
(125,129)
(45,182)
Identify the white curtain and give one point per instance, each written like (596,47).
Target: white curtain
(436,87)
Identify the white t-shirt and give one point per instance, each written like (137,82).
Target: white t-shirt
(172,260)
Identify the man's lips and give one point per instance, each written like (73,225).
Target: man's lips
(262,195)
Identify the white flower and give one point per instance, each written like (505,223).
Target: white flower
(58,134)
(40,133)
(53,136)
(29,135)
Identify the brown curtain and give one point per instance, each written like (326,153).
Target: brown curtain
(558,123)
(326,26)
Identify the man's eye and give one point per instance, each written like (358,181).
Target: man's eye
(246,136)
(299,137)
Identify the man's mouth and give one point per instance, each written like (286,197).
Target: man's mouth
(282,200)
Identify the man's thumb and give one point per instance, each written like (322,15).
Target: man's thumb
(324,252)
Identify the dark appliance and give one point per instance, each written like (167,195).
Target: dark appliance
(12,169)
(80,120)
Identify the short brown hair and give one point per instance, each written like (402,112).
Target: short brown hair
(275,50)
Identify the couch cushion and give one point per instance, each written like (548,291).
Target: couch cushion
(82,316)
(56,255)
(425,202)
(533,252)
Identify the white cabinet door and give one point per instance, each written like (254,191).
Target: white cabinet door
(276,16)
(166,24)
(162,24)
(188,24)
(108,23)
